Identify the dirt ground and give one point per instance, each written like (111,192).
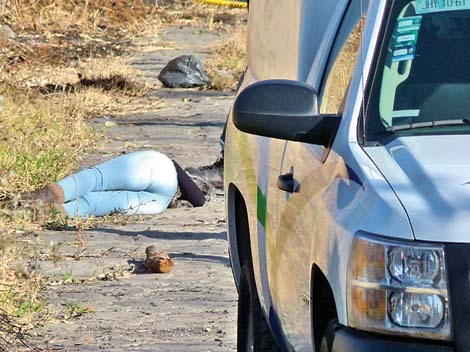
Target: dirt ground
(101,299)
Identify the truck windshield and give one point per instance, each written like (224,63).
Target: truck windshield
(422,81)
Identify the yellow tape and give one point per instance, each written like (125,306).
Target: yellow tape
(225,3)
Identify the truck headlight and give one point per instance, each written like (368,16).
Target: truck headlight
(398,288)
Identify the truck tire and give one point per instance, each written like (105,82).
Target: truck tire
(253,333)
(328,336)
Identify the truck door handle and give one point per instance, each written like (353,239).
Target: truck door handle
(287,183)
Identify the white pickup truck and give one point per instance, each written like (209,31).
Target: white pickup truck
(347,177)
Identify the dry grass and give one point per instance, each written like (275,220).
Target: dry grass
(340,77)
(97,86)
(19,282)
(64,68)
(78,16)
(61,31)
(198,14)
(61,70)
(12,336)
(228,61)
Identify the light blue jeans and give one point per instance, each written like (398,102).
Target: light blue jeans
(143,182)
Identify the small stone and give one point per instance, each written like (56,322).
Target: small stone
(6,32)
(110,124)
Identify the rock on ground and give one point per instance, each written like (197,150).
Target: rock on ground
(185,71)
(6,32)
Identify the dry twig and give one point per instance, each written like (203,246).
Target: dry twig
(12,337)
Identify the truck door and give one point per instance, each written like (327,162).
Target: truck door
(304,219)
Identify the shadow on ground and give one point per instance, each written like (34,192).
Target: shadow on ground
(201,257)
(139,267)
(165,235)
(172,123)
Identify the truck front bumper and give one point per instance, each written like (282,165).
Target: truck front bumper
(348,340)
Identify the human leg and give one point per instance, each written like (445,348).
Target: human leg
(148,181)
(189,190)
(148,171)
(126,202)
(214,173)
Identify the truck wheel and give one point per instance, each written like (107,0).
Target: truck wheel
(253,333)
(328,336)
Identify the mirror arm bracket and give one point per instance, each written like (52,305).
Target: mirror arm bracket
(324,135)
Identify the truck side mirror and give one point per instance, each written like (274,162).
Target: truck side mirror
(286,110)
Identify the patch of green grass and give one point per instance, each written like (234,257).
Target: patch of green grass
(21,301)
(76,310)
(41,139)
(68,278)
(29,307)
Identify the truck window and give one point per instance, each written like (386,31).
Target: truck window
(423,78)
(343,59)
